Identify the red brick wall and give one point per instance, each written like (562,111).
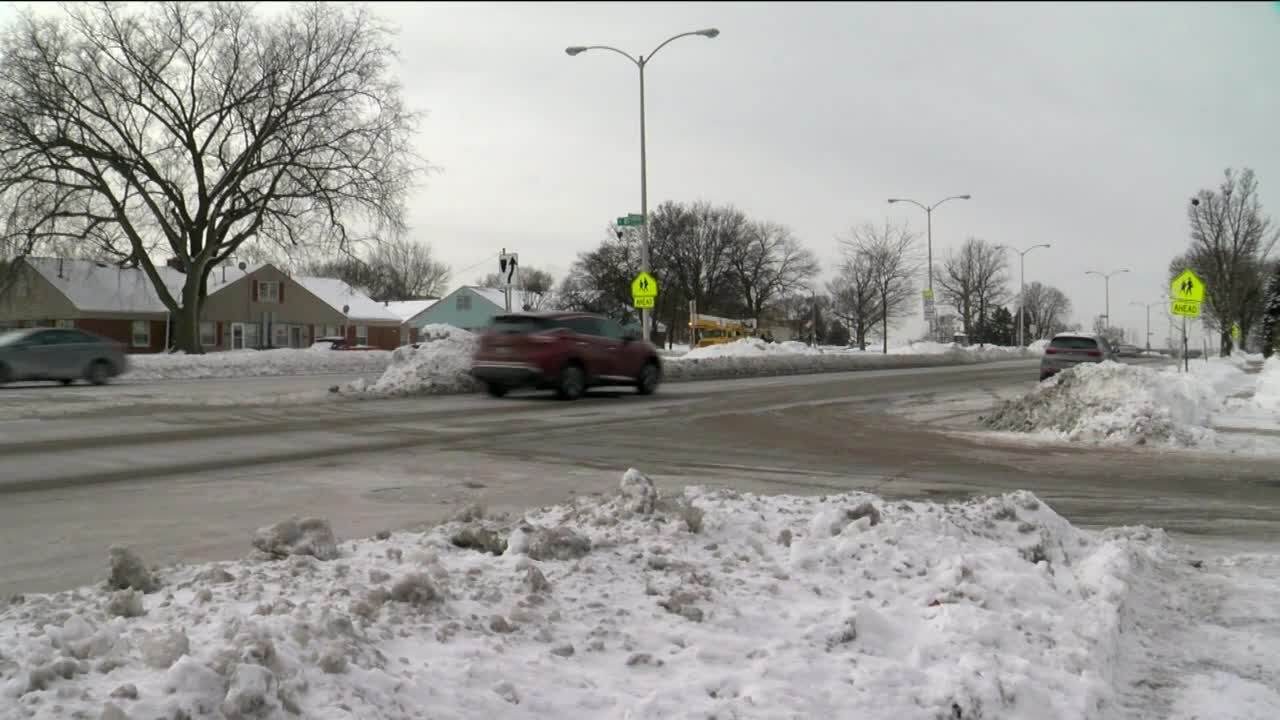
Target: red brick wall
(122,331)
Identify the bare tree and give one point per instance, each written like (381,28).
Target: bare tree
(974,279)
(535,289)
(854,297)
(186,129)
(691,246)
(398,269)
(768,264)
(1231,240)
(893,263)
(1046,310)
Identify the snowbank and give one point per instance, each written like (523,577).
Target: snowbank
(1038,346)
(255,363)
(1113,404)
(714,603)
(1267,395)
(440,364)
(750,347)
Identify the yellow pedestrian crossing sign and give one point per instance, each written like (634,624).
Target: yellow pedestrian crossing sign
(1187,288)
(644,286)
(1187,292)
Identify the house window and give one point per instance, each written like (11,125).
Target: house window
(463,302)
(208,335)
(66,323)
(280,336)
(362,334)
(268,291)
(141,336)
(251,336)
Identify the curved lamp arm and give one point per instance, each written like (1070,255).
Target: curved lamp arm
(708,33)
(578,49)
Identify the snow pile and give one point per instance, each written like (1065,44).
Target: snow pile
(750,347)
(711,603)
(1038,346)
(255,363)
(439,364)
(1114,404)
(1267,394)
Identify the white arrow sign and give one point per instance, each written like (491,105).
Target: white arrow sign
(508,264)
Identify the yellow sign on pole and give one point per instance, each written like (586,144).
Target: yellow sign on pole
(1235,331)
(643,290)
(1187,288)
(642,303)
(1185,308)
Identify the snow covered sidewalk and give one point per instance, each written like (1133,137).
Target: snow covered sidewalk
(712,603)
(255,363)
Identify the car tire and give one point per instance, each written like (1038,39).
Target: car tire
(572,383)
(99,372)
(66,381)
(496,389)
(650,376)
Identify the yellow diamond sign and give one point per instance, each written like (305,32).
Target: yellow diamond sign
(1187,288)
(644,286)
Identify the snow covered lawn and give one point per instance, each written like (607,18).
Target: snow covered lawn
(1113,404)
(713,603)
(255,363)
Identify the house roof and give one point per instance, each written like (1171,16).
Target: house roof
(336,294)
(407,310)
(94,286)
(497,296)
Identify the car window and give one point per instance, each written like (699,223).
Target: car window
(520,324)
(583,325)
(13,337)
(1074,343)
(610,329)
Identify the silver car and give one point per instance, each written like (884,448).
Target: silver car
(1067,350)
(59,354)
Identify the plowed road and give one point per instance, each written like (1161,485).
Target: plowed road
(192,484)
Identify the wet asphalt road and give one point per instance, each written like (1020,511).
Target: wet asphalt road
(190,485)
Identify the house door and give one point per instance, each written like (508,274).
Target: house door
(295,336)
(237,336)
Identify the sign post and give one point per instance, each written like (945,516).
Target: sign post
(508,273)
(631,220)
(1186,292)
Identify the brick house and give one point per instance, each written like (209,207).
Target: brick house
(258,308)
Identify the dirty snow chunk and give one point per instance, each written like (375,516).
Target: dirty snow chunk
(111,711)
(309,536)
(507,691)
(535,581)
(333,660)
(126,604)
(251,694)
(45,675)
(479,538)
(128,571)
(864,510)
(191,678)
(127,691)
(559,543)
(640,492)
(416,589)
(440,364)
(162,648)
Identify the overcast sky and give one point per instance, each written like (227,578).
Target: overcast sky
(1087,126)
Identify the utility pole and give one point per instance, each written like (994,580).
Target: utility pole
(928,211)
(1022,288)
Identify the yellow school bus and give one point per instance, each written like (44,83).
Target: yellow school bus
(711,330)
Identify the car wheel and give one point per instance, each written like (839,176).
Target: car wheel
(572,383)
(649,378)
(67,381)
(496,389)
(99,372)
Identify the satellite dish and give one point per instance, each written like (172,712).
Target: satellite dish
(242,266)
(346,309)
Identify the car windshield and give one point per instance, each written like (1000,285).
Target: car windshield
(520,324)
(1074,343)
(12,336)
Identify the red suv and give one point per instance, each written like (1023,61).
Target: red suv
(567,352)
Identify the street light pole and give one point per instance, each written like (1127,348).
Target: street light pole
(1107,278)
(1148,306)
(640,63)
(1022,287)
(928,211)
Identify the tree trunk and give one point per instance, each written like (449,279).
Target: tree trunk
(884,321)
(1225,342)
(186,336)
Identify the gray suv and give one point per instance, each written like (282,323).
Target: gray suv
(1067,350)
(59,354)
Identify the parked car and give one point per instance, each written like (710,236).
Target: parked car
(1128,351)
(59,354)
(337,342)
(565,352)
(1067,350)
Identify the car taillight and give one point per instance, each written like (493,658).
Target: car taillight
(1095,353)
(1050,351)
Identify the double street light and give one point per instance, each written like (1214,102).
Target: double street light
(1107,277)
(1022,287)
(928,210)
(640,63)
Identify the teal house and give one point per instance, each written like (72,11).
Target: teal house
(469,307)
